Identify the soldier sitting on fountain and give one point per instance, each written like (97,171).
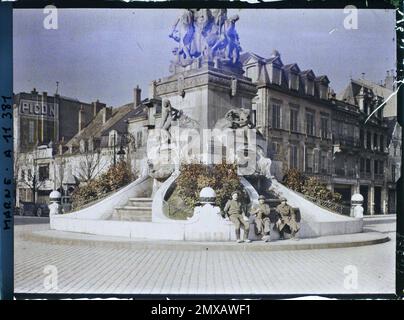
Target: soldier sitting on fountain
(234,209)
(262,221)
(287,221)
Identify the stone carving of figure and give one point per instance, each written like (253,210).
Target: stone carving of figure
(206,33)
(168,114)
(203,22)
(183,32)
(263,164)
(233,43)
(235,119)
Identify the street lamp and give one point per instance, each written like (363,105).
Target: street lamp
(121,153)
(114,149)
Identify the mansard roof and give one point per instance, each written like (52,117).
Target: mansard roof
(292,67)
(308,74)
(247,56)
(276,60)
(323,79)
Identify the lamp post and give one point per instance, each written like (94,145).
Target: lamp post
(114,149)
(121,152)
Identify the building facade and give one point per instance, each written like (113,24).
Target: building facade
(311,129)
(100,140)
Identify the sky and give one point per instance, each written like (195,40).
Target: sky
(104,53)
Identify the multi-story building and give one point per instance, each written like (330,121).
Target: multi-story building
(97,144)
(308,128)
(40,119)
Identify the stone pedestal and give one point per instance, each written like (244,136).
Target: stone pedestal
(206,93)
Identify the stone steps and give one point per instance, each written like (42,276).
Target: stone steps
(137,209)
(140,202)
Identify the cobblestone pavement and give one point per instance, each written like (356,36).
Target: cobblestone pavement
(92,269)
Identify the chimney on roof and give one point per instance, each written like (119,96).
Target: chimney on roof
(389,81)
(97,106)
(137,98)
(82,118)
(34,91)
(362,75)
(106,114)
(153,89)
(44,99)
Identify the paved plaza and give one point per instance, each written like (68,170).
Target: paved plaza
(90,268)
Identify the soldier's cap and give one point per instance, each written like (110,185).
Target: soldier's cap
(233,193)
(283,199)
(261,197)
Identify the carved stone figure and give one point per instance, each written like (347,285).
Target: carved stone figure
(183,32)
(232,44)
(207,34)
(235,119)
(263,164)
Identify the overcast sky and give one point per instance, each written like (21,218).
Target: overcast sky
(104,53)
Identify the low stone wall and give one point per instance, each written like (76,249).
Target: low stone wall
(317,221)
(103,209)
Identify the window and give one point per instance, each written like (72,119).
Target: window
(294,81)
(310,87)
(375,141)
(393,173)
(139,139)
(309,160)
(252,73)
(310,123)
(323,162)
(276,116)
(381,143)
(362,165)
(376,167)
(82,146)
(369,141)
(316,160)
(43,173)
(324,128)
(293,156)
(368,170)
(380,113)
(323,91)
(31,131)
(276,76)
(381,167)
(294,120)
(362,138)
(113,138)
(275,149)
(23,175)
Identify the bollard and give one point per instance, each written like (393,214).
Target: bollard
(356,206)
(54,206)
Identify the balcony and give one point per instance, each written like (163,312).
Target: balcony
(379,177)
(366,175)
(346,141)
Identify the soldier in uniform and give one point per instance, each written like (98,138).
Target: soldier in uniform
(262,221)
(235,210)
(287,219)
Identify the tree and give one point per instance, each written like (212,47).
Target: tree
(89,166)
(30,177)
